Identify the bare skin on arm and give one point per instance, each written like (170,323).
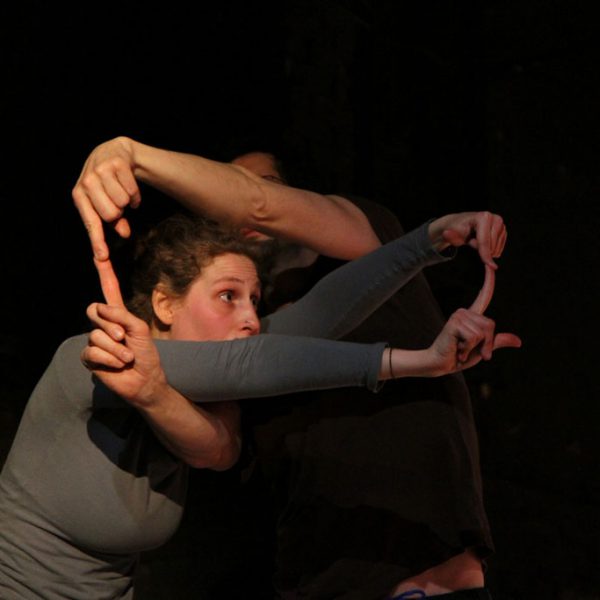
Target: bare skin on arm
(224,192)
(243,194)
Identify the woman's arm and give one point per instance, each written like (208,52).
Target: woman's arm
(269,365)
(328,224)
(224,192)
(134,366)
(206,437)
(342,299)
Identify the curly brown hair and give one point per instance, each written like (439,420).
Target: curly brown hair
(173,254)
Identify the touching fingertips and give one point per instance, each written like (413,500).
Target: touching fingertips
(100,252)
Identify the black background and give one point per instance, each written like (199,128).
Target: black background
(428,107)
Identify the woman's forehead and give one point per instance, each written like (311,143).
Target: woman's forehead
(233,267)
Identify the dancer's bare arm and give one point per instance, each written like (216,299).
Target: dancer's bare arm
(224,192)
(330,225)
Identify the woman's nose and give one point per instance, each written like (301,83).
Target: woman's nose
(251,322)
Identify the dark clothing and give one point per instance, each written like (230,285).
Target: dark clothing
(372,489)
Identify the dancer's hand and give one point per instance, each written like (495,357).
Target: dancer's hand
(469,336)
(122,354)
(483,231)
(466,339)
(105,187)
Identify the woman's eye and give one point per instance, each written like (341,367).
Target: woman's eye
(255,301)
(226,296)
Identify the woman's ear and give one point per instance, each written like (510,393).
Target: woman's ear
(163,305)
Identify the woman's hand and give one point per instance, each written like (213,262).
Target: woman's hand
(105,187)
(120,351)
(466,339)
(483,231)
(122,354)
(469,336)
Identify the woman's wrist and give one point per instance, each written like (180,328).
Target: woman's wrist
(436,230)
(397,363)
(155,396)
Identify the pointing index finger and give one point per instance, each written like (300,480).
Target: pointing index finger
(92,224)
(487,291)
(483,233)
(109,282)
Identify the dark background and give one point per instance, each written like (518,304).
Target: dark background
(428,107)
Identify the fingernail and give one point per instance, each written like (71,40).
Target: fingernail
(126,355)
(118,334)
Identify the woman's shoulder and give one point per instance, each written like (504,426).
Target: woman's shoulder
(67,366)
(76,381)
(69,351)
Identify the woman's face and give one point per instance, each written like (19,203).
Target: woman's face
(220,304)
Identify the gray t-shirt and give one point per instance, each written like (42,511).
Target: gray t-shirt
(87,486)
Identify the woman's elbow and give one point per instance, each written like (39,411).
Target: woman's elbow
(223,456)
(229,455)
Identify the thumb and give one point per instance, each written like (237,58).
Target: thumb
(456,236)
(507,340)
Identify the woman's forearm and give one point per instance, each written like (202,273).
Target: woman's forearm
(216,190)
(231,194)
(341,300)
(200,437)
(267,365)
